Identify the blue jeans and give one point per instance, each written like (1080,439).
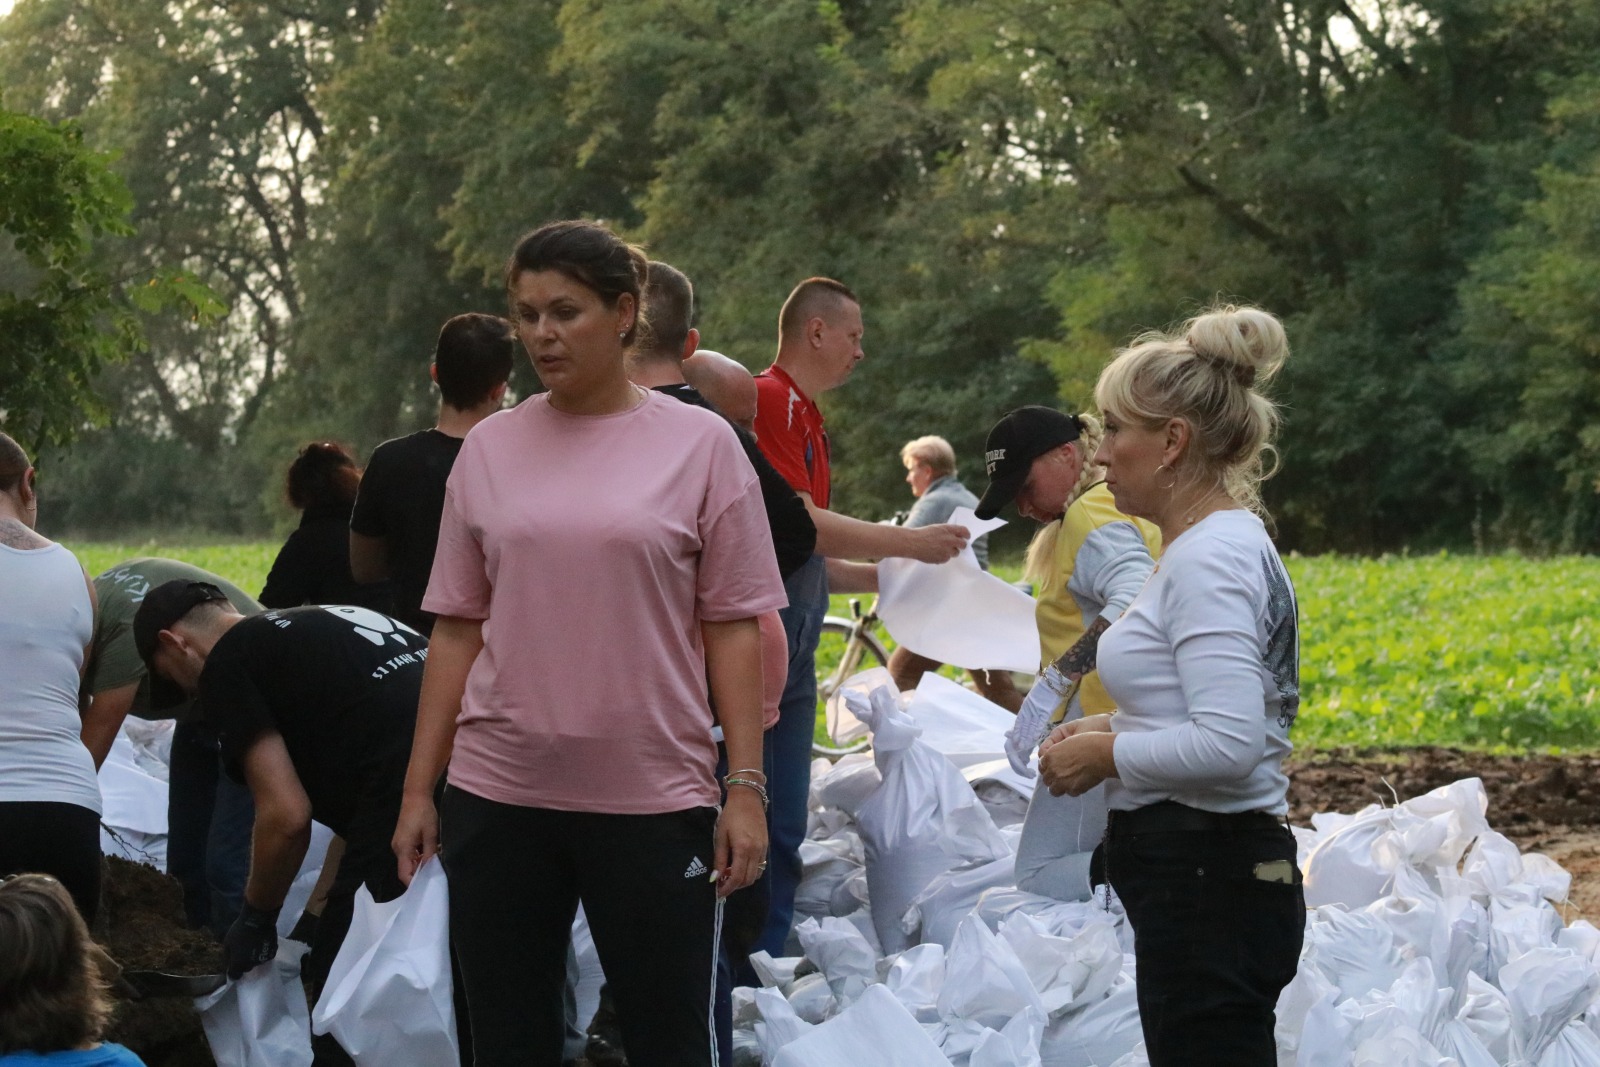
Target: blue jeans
(209,821)
(788,749)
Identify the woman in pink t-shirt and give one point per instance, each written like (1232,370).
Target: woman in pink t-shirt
(603,557)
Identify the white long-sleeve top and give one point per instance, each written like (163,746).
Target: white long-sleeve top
(1205,668)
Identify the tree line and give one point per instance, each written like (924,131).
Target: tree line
(1014,187)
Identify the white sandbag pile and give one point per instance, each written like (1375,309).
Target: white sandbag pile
(1430,940)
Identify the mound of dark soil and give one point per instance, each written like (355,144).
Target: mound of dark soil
(1528,795)
(141,926)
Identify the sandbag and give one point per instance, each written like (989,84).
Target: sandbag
(984,982)
(1548,989)
(875,1030)
(922,820)
(388,998)
(936,912)
(1096,1034)
(260,1020)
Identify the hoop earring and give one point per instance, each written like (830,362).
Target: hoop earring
(1173,484)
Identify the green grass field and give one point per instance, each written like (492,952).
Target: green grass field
(1494,652)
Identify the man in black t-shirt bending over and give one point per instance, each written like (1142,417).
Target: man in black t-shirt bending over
(314,708)
(394,528)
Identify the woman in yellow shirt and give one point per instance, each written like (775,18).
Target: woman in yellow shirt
(1087,563)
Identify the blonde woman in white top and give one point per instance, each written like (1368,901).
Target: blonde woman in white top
(49,794)
(1204,668)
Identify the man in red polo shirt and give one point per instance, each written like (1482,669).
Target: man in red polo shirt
(819,344)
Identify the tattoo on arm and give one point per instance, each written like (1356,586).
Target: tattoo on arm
(1079,660)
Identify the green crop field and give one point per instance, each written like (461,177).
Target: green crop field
(1495,652)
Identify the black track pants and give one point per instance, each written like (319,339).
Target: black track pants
(517,876)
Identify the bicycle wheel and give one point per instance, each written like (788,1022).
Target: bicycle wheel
(842,652)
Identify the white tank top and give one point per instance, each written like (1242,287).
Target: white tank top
(46,619)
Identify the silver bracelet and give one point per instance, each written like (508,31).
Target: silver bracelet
(760,789)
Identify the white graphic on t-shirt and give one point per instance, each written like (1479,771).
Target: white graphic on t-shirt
(794,398)
(1282,654)
(371,625)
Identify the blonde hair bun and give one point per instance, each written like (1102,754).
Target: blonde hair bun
(1247,341)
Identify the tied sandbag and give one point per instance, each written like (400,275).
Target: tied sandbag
(1098,1033)
(1355,859)
(1549,988)
(874,1030)
(388,998)
(937,911)
(922,821)
(261,1020)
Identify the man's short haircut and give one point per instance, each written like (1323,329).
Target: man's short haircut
(668,309)
(474,354)
(935,452)
(808,300)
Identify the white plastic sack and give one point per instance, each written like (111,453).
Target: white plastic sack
(260,1020)
(1065,972)
(305,881)
(388,997)
(1548,989)
(984,982)
(843,956)
(922,821)
(874,1030)
(133,806)
(827,867)
(590,976)
(778,1026)
(1098,1033)
(950,897)
(1357,952)
(957,612)
(847,784)
(915,978)
(1355,863)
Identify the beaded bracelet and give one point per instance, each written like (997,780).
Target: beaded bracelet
(760,774)
(760,789)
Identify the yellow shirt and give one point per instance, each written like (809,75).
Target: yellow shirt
(1066,607)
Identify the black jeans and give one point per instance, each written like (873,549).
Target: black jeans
(1216,931)
(516,877)
(61,840)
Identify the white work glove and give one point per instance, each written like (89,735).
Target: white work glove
(1033,719)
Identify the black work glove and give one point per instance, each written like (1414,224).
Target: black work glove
(251,941)
(305,928)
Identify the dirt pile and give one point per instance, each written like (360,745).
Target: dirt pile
(1528,795)
(141,926)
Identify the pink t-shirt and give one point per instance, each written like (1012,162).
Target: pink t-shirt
(774,667)
(592,547)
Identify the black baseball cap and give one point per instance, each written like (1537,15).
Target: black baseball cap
(1019,438)
(163,606)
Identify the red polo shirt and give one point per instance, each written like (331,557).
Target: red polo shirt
(789,431)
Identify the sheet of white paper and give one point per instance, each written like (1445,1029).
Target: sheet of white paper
(959,723)
(957,612)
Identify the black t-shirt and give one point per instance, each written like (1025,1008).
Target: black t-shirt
(340,684)
(400,501)
(313,566)
(794,535)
